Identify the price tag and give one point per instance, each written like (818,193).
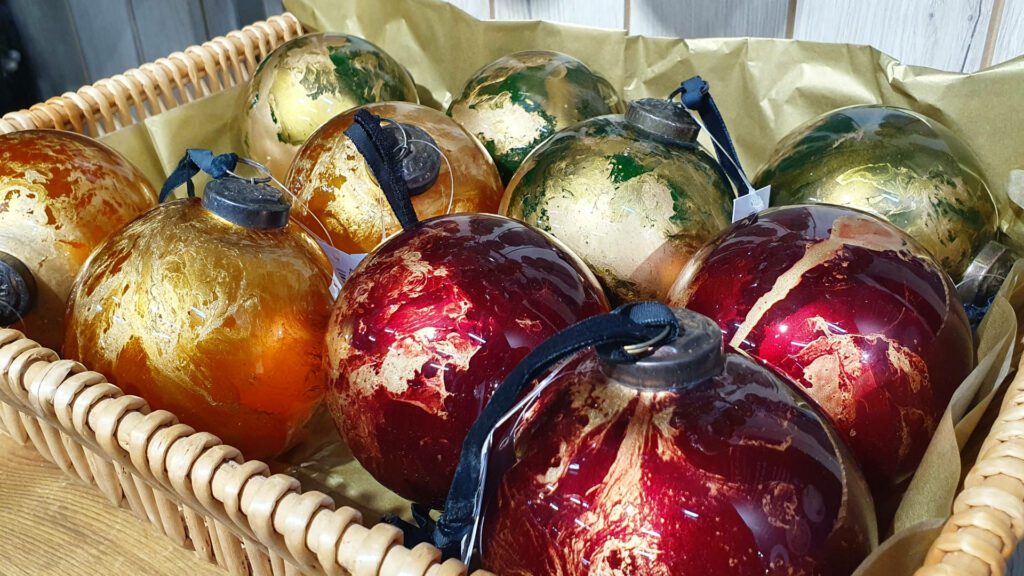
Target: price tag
(343,263)
(751,203)
(1015,187)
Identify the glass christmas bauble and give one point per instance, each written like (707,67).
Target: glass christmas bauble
(695,460)
(213,309)
(894,163)
(426,328)
(517,101)
(336,190)
(63,194)
(853,310)
(306,82)
(634,196)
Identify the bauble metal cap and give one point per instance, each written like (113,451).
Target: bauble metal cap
(420,157)
(663,120)
(694,356)
(246,203)
(986,274)
(17,289)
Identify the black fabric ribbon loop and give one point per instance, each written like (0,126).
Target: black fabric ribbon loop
(695,94)
(383,155)
(197,159)
(614,335)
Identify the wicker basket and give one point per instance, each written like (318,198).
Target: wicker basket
(205,497)
(197,491)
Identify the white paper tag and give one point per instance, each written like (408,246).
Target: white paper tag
(1015,187)
(343,263)
(751,203)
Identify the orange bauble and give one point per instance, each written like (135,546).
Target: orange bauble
(334,185)
(221,322)
(63,194)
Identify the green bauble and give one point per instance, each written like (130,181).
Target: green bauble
(894,163)
(634,196)
(517,101)
(307,81)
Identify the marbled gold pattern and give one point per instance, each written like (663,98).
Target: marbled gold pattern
(894,163)
(633,208)
(307,81)
(61,195)
(429,325)
(334,186)
(734,475)
(853,310)
(517,101)
(220,324)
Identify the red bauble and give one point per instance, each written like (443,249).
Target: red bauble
(428,326)
(851,308)
(622,470)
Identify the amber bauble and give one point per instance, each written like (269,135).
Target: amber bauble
(335,187)
(852,309)
(659,470)
(894,163)
(517,101)
(427,327)
(62,195)
(633,205)
(306,82)
(220,324)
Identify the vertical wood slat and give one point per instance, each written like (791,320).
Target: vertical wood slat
(48,32)
(270,7)
(599,13)
(477,8)
(1010,34)
(221,17)
(166,27)
(702,19)
(106,35)
(944,34)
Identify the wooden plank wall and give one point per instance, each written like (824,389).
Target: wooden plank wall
(72,42)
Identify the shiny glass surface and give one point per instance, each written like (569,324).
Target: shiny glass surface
(894,163)
(219,324)
(306,82)
(633,208)
(62,195)
(517,101)
(426,328)
(334,185)
(852,309)
(733,475)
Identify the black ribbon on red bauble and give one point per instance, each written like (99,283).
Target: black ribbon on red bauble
(625,335)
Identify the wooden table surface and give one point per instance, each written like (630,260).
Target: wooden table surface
(52,525)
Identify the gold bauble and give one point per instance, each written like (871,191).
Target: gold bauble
(219,323)
(517,101)
(336,190)
(307,81)
(894,163)
(634,205)
(62,194)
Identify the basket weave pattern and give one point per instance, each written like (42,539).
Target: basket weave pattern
(204,496)
(158,86)
(196,490)
(988,515)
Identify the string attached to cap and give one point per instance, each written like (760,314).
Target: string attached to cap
(626,335)
(380,149)
(695,95)
(194,161)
